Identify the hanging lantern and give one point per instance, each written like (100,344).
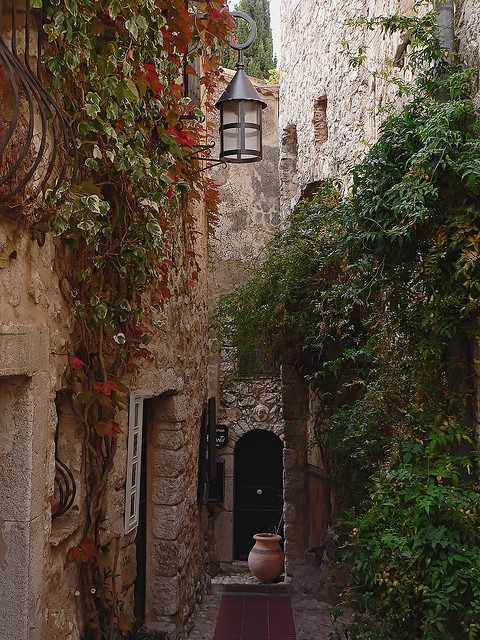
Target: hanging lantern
(241,110)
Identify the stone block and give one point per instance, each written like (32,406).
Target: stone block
(229,465)
(127,563)
(24,447)
(232,414)
(21,568)
(224,536)
(169,464)
(165,558)
(165,594)
(24,348)
(168,491)
(169,439)
(167,522)
(170,409)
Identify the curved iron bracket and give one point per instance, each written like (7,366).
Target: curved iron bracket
(39,143)
(204,148)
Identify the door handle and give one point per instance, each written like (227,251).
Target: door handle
(259,492)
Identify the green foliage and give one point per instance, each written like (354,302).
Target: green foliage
(117,67)
(379,292)
(259,56)
(418,544)
(274,309)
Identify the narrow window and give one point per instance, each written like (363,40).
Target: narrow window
(288,163)
(320,121)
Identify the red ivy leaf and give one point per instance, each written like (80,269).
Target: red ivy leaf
(107,428)
(106,387)
(76,364)
(190,70)
(84,552)
(89,548)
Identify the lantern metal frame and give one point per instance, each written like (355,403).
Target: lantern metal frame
(238,99)
(241,101)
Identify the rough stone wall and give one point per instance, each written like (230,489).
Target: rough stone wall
(313,69)
(468,32)
(248,210)
(176,545)
(39,587)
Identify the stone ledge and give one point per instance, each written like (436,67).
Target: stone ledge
(24,349)
(65,526)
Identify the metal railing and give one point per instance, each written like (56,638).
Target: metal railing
(38,128)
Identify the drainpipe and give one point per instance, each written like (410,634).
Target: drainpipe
(445,16)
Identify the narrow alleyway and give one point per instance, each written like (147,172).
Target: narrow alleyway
(239,607)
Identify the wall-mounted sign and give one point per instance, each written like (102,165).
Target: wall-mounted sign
(221,435)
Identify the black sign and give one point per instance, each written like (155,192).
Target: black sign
(221,435)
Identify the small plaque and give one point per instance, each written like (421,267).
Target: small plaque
(221,435)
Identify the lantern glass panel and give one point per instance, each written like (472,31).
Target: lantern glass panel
(231,139)
(231,112)
(252,112)
(252,139)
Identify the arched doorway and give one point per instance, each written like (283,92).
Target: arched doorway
(258,488)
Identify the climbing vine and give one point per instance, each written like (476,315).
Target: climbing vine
(378,293)
(118,68)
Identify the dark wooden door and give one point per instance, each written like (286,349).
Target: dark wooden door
(258,481)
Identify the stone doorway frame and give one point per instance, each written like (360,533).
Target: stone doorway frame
(27,471)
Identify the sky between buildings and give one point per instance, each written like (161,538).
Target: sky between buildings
(274,21)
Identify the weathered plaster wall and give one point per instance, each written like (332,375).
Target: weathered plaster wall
(248,211)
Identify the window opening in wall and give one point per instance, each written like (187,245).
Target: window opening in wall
(288,162)
(289,140)
(320,121)
(65,487)
(310,190)
(134,458)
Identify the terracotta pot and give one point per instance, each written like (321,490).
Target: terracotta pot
(265,560)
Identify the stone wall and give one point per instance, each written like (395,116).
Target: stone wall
(326,105)
(468,32)
(314,71)
(39,586)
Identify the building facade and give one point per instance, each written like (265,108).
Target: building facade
(153,526)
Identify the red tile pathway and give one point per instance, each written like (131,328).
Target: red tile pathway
(255,612)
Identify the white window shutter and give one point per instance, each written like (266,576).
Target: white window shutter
(134,458)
